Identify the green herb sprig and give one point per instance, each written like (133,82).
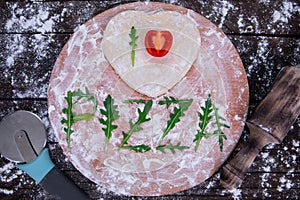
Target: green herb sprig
(69,121)
(171,100)
(176,114)
(142,148)
(111,113)
(133,44)
(219,123)
(71,117)
(204,117)
(171,147)
(209,113)
(138,101)
(135,127)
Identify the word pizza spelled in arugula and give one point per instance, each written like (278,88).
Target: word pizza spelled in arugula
(207,115)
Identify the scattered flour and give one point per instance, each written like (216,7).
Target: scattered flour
(284,183)
(39,19)
(296,143)
(5,191)
(241,21)
(236,194)
(262,51)
(35,45)
(283,15)
(220,11)
(226,6)
(264,1)
(16,47)
(9,173)
(6,169)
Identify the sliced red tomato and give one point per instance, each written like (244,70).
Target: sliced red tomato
(158,43)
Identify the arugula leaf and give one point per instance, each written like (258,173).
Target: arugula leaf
(142,101)
(87,95)
(209,113)
(135,127)
(177,113)
(138,148)
(71,117)
(171,100)
(132,43)
(204,120)
(171,147)
(219,125)
(168,101)
(111,114)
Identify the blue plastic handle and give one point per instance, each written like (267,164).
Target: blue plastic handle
(39,167)
(43,171)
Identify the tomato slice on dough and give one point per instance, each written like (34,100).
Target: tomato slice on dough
(158,43)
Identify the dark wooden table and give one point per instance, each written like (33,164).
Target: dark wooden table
(266,34)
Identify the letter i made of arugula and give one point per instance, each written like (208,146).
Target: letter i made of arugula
(207,114)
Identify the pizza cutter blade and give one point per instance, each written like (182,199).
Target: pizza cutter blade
(22,140)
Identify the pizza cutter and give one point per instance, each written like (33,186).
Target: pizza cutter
(22,140)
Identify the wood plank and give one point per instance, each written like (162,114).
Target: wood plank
(26,63)
(234,17)
(51,16)
(250,17)
(280,181)
(263,58)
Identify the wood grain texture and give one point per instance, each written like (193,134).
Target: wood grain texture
(265,34)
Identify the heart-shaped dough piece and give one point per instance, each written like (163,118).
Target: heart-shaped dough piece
(150,75)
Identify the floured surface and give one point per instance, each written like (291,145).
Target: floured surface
(217,71)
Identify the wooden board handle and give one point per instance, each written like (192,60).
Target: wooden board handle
(232,174)
(270,123)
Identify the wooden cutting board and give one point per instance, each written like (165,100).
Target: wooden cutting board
(217,71)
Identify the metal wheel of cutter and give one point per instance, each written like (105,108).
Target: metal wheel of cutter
(22,136)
